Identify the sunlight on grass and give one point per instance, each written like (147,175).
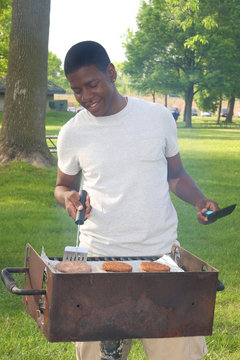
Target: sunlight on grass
(55,128)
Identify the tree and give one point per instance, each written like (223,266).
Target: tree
(222,61)
(55,70)
(54,67)
(170,47)
(23,125)
(122,81)
(56,73)
(173,41)
(147,75)
(5,23)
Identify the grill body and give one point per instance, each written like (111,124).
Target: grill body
(111,306)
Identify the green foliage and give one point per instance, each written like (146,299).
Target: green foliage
(185,46)
(222,64)
(207,101)
(5,24)
(56,73)
(166,52)
(54,67)
(122,82)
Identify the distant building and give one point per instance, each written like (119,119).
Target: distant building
(52,89)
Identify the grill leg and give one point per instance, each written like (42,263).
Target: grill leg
(111,350)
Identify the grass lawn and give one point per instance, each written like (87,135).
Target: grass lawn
(29,213)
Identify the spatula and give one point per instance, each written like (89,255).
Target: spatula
(214,215)
(76,253)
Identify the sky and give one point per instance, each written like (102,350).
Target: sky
(104,21)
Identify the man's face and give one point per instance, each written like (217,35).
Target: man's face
(94,90)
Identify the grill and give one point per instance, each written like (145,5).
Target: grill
(111,306)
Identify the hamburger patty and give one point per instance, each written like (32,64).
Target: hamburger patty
(116,266)
(154,267)
(73,267)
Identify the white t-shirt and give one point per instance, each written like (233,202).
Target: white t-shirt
(124,170)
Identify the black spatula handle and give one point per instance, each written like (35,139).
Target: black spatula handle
(81,214)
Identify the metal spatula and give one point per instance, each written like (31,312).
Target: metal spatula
(76,253)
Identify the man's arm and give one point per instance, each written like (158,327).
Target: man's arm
(67,194)
(182,185)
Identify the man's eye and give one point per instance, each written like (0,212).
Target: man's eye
(76,91)
(93,85)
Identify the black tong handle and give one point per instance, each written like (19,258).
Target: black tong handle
(81,214)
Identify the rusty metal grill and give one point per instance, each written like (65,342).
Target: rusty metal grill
(111,306)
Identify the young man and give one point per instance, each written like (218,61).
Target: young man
(127,153)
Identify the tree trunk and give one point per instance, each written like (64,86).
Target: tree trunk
(219,111)
(188,106)
(153,96)
(23,125)
(165,100)
(230,108)
(184,114)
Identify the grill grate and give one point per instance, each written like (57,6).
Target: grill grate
(114,258)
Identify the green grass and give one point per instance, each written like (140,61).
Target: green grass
(55,120)
(29,213)
(210,122)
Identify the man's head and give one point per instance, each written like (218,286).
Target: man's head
(86,53)
(92,78)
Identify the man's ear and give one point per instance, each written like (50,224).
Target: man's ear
(112,72)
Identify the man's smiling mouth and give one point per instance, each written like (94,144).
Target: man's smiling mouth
(92,106)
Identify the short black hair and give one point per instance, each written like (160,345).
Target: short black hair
(86,53)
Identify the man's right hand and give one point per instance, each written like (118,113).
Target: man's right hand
(66,193)
(73,204)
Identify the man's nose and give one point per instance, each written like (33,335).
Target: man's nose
(86,95)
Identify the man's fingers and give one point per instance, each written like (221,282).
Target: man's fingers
(203,219)
(73,204)
(88,207)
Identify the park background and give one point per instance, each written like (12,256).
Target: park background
(210,153)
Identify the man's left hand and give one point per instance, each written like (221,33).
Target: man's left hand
(202,207)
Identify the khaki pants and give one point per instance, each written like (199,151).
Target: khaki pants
(184,348)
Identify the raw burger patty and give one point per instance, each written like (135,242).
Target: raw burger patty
(116,266)
(154,267)
(73,267)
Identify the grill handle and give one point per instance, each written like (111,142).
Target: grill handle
(11,285)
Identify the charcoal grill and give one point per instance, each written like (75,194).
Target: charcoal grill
(110,306)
